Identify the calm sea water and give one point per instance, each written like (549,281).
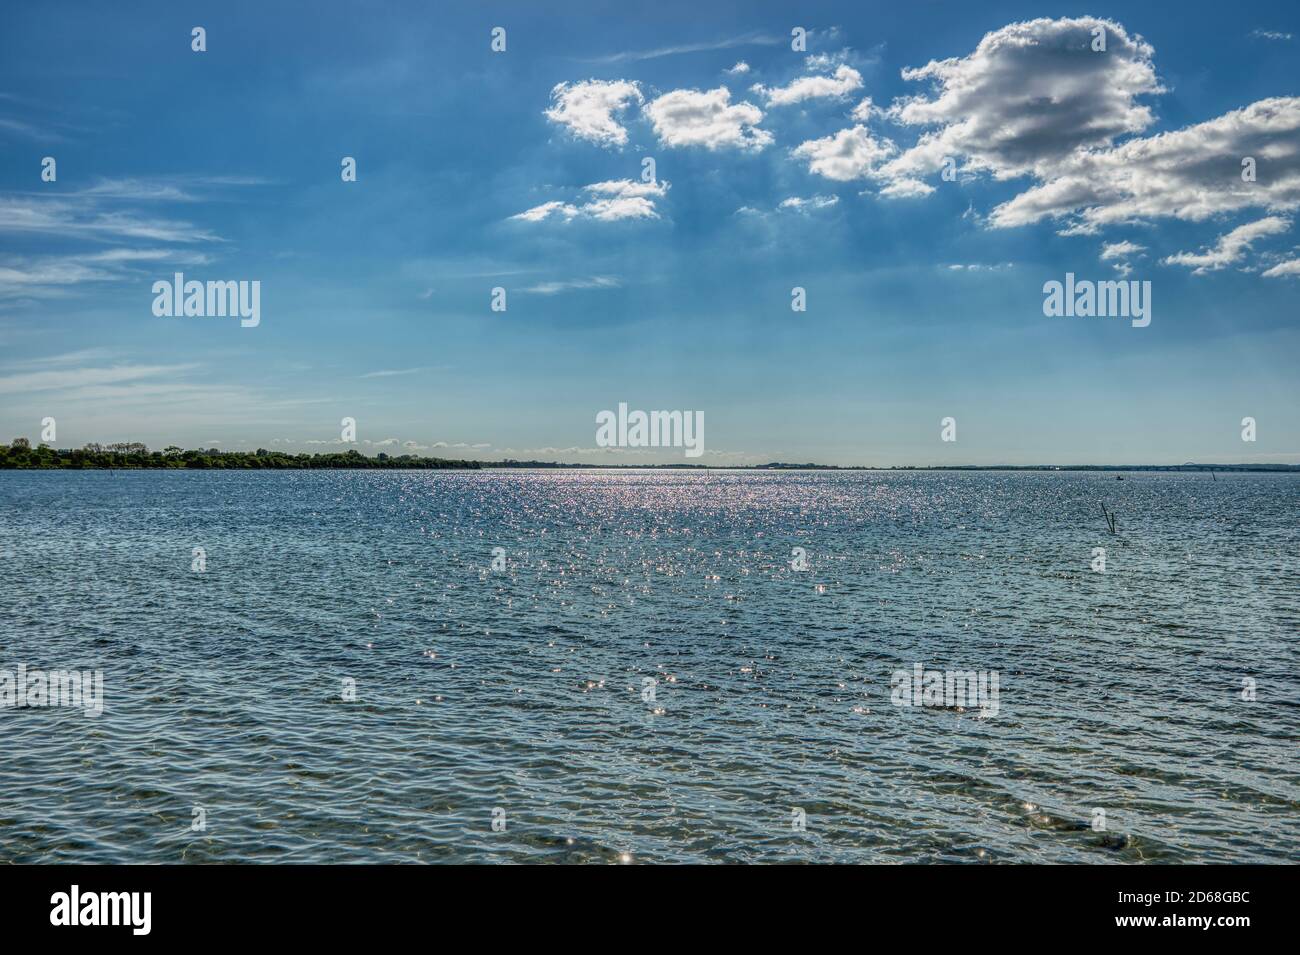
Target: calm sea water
(523,690)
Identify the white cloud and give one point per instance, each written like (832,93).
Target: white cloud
(813,202)
(390,373)
(86,377)
(630,188)
(48,276)
(849,154)
(1232,247)
(739,69)
(707,118)
(1289,267)
(553,288)
(87,222)
(1119,253)
(841,83)
(612,210)
(27,130)
(587,108)
(545,210)
(1120,250)
(1270,35)
(906,189)
(137,189)
(864,111)
(1191,173)
(1029,96)
(619,199)
(1035,100)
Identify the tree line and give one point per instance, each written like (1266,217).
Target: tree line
(135,456)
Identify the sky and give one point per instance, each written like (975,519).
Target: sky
(919,170)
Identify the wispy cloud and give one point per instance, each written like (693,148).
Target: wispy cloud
(27,131)
(616,199)
(748,39)
(84,377)
(1231,247)
(980,267)
(554,288)
(68,219)
(800,204)
(49,276)
(393,372)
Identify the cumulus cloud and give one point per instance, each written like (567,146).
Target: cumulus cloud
(611,210)
(1029,96)
(1035,100)
(1232,247)
(1289,267)
(707,118)
(906,189)
(1119,253)
(847,155)
(630,187)
(1120,250)
(1192,173)
(864,111)
(841,83)
(588,109)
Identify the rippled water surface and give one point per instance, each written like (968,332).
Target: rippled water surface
(522,690)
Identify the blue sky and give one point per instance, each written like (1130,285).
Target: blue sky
(816,168)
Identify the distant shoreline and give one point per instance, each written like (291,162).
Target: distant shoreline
(137,457)
(19,456)
(777,466)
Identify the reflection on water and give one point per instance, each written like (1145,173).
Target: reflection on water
(648,678)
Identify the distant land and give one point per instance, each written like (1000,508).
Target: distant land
(134,456)
(782,466)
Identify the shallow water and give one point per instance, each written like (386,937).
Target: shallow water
(522,690)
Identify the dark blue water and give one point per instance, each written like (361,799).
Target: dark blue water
(523,691)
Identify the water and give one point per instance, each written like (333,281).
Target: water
(522,690)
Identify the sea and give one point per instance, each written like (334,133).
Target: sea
(638,666)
